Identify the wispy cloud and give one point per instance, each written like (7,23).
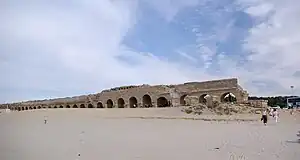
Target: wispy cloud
(65,48)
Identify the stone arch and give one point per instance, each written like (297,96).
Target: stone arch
(133,102)
(228,97)
(19,108)
(26,108)
(163,102)
(82,106)
(182,101)
(68,106)
(204,98)
(34,107)
(23,108)
(109,103)
(39,107)
(61,106)
(75,106)
(55,107)
(90,106)
(30,107)
(49,106)
(121,103)
(147,102)
(100,105)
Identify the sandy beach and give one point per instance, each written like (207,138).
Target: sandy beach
(127,134)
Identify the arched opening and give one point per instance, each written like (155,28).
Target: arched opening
(147,102)
(26,108)
(100,105)
(61,106)
(204,98)
(75,106)
(30,107)
(23,108)
(182,101)
(68,106)
(55,106)
(109,103)
(82,106)
(90,106)
(162,102)
(34,107)
(132,102)
(228,97)
(49,106)
(39,107)
(121,103)
(19,109)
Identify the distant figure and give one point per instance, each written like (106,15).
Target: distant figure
(264,117)
(292,111)
(276,115)
(271,112)
(45,119)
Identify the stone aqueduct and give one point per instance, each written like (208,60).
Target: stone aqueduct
(144,96)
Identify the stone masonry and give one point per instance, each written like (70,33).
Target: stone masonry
(144,96)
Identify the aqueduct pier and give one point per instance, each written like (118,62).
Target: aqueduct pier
(145,96)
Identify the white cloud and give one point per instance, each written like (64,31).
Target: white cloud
(187,56)
(71,48)
(64,48)
(275,43)
(170,8)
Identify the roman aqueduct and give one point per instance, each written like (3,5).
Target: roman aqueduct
(145,96)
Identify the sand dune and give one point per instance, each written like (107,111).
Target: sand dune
(109,134)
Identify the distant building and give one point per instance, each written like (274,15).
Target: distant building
(293,102)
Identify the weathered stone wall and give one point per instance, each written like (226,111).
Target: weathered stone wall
(134,96)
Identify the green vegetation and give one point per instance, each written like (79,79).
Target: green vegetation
(274,101)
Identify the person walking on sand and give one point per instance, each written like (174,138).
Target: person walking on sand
(45,119)
(264,117)
(276,115)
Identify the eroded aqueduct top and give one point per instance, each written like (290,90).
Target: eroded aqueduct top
(213,87)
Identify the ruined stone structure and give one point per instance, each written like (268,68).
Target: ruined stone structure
(145,96)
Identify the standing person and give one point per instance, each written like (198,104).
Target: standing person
(272,112)
(45,119)
(264,117)
(276,115)
(292,110)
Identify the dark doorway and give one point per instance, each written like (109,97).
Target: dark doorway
(90,106)
(121,103)
(162,102)
(133,102)
(182,101)
(147,102)
(99,105)
(109,103)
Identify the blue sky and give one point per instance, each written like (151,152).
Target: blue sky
(66,48)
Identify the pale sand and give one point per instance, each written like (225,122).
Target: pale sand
(109,136)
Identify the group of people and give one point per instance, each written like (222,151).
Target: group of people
(272,112)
